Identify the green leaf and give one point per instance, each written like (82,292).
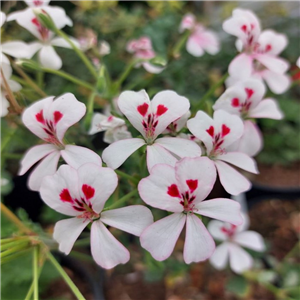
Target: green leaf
(238,285)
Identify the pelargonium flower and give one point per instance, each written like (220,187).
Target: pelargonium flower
(47,55)
(260,50)
(115,128)
(217,134)
(245,100)
(151,118)
(181,190)
(49,119)
(233,238)
(82,194)
(13,85)
(175,127)
(142,49)
(201,39)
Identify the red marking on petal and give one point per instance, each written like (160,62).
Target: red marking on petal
(268,48)
(252,26)
(235,102)
(161,109)
(142,109)
(88,191)
(192,184)
(65,196)
(249,92)
(57,116)
(110,118)
(244,28)
(40,117)
(38,3)
(36,22)
(211,131)
(225,130)
(173,191)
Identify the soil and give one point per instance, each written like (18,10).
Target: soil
(279,176)
(277,220)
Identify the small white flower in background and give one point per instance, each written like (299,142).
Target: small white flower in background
(245,99)
(233,238)
(88,40)
(115,128)
(181,190)
(201,39)
(49,119)
(151,118)
(13,85)
(47,55)
(82,194)
(104,48)
(142,49)
(218,134)
(260,50)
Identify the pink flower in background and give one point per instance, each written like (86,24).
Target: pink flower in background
(49,119)
(151,118)
(142,49)
(82,194)
(218,134)
(233,238)
(260,50)
(245,99)
(201,39)
(181,190)
(13,85)
(47,55)
(115,128)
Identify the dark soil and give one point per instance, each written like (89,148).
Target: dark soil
(279,176)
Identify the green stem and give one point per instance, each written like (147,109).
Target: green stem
(36,273)
(69,77)
(90,110)
(14,256)
(180,44)
(28,79)
(81,55)
(121,201)
(12,250)
(12,244)
(65,276)
(126,176)
(212,90)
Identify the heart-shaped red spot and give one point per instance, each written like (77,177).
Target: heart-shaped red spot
(161,109)
(225,130)
(57,116)
(65,196)
(88,191)
(211,131)
(249,92)
(173,191)
(40,117)
(142,109)
(192,184)
(235,102)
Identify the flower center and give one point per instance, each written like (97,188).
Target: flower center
(218,140)
(229,231)
(43,31)
(243,106)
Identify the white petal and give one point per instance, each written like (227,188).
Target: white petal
(67,231)
(251,240)
(33,155)
(177,106)
(220,257)
(221,209)
(160,237)
(201,170)
(215,229)
(14,86)
(152,68)
(156,154)
(233,182)
(240,160)
(240,260)
(277,41)
(71,109)
(154,188)
(115,154)
(66,178)
(16,49)
(132,219)
(198,126)
(61,42)
(275,64)
(106,250)
(278,83)
(46,167)
(210,42)
(193,47)
(59,16)
(198,245)
(180,147)
(251,141)
(241,66)
(267,108)
(128,103)
(103,180)
(97,119)
(33,48)
(77,156)
(49,58)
